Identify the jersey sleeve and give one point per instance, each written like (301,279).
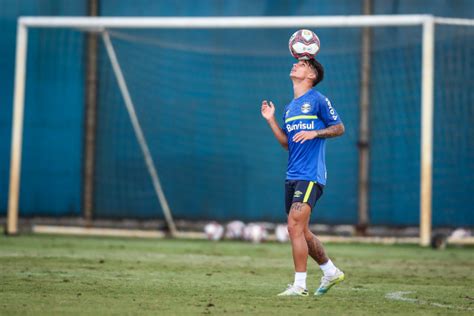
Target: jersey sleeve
(328,113)
(283,118)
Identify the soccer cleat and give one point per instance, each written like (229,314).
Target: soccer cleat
(294,290)
(329,281)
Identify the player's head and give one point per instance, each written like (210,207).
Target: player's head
(310,70)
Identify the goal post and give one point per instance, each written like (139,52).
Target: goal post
(102,25)
(426,152)
(17,129)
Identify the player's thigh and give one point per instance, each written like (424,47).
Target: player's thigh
(299,214)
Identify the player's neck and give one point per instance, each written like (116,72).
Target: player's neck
(300,88)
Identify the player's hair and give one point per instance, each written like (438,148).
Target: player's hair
(318,69)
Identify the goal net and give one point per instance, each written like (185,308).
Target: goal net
(177,131)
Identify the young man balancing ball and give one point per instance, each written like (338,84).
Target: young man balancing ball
(308,120)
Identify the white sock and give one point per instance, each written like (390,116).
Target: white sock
(300,279)
(328,268)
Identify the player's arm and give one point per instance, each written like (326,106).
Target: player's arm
(331,131)
(328,132)
(268,113)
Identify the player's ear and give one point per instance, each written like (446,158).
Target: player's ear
(312,75)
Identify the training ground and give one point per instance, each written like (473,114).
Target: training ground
(44,275)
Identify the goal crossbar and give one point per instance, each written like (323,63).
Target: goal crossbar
(225,22)
(427,22)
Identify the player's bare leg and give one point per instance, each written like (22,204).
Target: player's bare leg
(297,221)
(332,275)
(315,247)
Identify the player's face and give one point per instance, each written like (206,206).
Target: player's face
(300,70)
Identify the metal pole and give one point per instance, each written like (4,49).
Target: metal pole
(426,154)
(90,123)
(364,125)
(17,129)
(139,134)
(241,22)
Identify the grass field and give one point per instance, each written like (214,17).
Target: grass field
(72,275)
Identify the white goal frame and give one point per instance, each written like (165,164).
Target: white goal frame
(102,24)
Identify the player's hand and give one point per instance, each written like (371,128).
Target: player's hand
(268,110)
(303,136)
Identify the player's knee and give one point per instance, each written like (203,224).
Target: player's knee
(295,228)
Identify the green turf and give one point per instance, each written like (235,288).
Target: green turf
(64,275)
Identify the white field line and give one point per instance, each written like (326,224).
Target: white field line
(400,296)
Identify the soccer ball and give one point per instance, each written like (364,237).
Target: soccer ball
(304,44)
(461,233)
(281,233)
(255,233)
(214,231)
(234,230)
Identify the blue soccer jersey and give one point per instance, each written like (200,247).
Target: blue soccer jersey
(311,111)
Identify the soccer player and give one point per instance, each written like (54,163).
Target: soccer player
(309,119)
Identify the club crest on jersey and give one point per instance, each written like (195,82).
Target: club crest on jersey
(305,108)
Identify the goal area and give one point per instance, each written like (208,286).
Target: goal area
(118,117)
